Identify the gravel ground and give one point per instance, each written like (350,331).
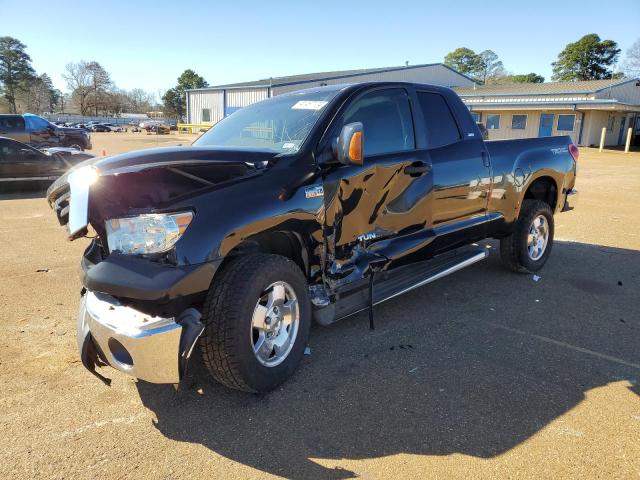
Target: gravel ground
(485,373)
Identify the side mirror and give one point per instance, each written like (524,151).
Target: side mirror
(350,144)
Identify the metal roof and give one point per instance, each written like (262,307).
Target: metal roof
(320,76)
(549,88)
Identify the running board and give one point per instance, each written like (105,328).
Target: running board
(455,265)
(388,285)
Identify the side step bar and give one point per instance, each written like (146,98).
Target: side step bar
(470,259)
(388,285)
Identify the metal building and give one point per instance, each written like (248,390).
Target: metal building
(209,105)
(579,109)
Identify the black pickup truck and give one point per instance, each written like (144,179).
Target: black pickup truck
(311,205)
(40,132)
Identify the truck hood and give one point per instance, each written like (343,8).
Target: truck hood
(145,179)
(72,130)
(139,160)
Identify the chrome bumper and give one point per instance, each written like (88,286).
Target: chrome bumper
(571,200)
(154,349)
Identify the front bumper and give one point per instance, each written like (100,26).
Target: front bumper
(154,349)
(571,200)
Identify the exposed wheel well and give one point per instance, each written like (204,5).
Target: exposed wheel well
(287,244)
(545,189)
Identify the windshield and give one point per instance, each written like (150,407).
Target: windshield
(278,124)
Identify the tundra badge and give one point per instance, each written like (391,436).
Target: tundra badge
(314,191)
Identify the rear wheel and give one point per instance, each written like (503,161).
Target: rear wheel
(75,144)
(257,318)
(529,246)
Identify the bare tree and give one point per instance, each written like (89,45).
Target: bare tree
(79,82)
(140,101)
(491,69)
(100,86)
(632,60)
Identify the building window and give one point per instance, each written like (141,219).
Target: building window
(565,123)
(476,117)
(493,122)
(206,115)
(518,122)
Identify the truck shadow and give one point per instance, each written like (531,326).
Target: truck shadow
(23,190)
(473,364)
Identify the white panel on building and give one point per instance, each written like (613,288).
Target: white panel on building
(625,92)
(205,106)
(432,74)
(241,97)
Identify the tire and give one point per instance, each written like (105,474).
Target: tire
(229,316)
(515,250)
(75,144)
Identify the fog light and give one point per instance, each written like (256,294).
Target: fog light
(120,354)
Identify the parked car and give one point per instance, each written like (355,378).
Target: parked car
(39,132)
(100,127)
(159,128)
(115,127)
(20,162)
(315,204)
(149,124)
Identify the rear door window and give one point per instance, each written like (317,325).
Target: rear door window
(441,125)
(11,124)
(386,119)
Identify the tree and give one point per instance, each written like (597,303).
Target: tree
(100,85)
(632,63)
(175,98)
(89,84)
(38,96)
(79,84)
(587,59)
(490,67)
(525,78)
(15,69)
(140,101)
(465,60)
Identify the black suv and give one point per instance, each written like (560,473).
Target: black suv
(39,132)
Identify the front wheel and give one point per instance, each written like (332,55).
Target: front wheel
(75,145)
(529,246)
(257,317)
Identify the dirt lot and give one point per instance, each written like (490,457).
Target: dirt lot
(482,374)
(112,142)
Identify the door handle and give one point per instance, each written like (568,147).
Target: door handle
(485,159)
(417,168)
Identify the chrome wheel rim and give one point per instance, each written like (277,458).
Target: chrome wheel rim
(274,325)
(538,237)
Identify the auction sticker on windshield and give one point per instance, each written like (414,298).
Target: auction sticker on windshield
(308,105)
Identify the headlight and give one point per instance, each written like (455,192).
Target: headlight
(149,233)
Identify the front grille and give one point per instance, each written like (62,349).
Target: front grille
(59,201)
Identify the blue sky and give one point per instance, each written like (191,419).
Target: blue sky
(147,44)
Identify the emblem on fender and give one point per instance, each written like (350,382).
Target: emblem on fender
(314,191)
(367,236)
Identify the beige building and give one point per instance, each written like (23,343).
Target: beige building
(579,109)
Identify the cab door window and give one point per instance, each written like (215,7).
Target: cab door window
(10,124)
(386,119)
(8,152)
